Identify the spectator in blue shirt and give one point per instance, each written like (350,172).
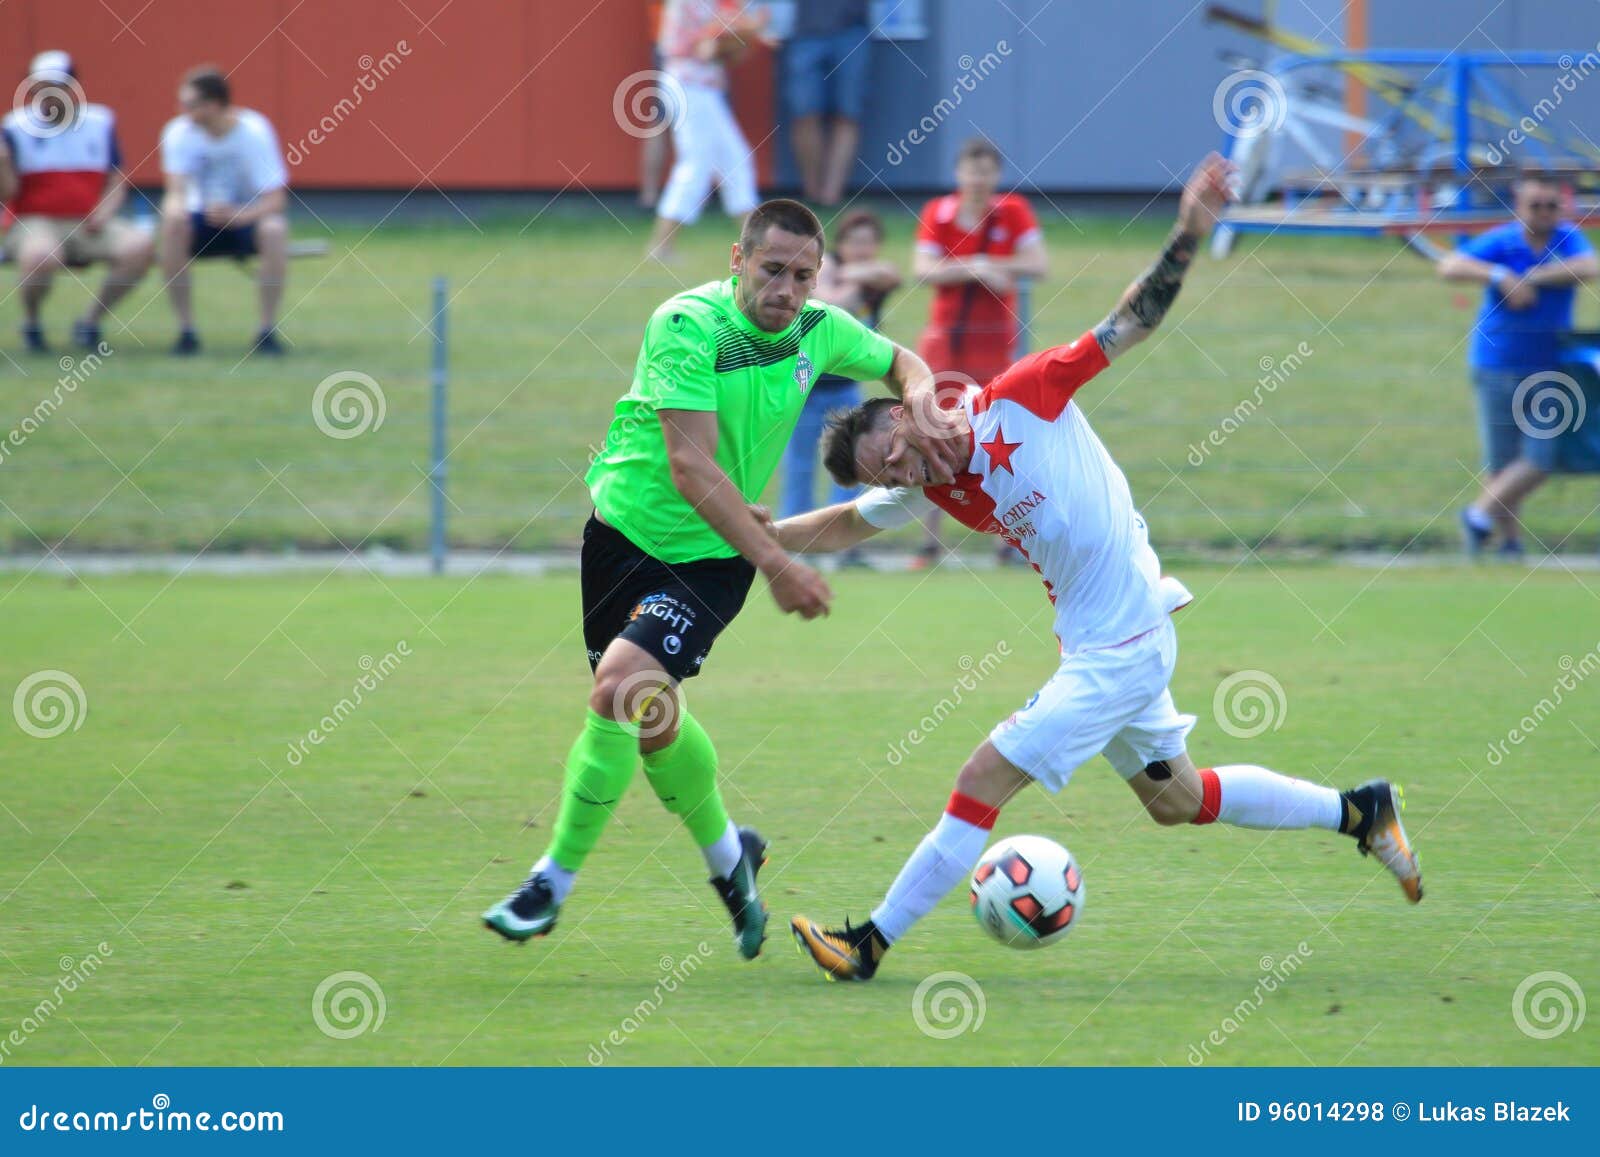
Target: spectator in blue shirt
(1530,269)
(825,72)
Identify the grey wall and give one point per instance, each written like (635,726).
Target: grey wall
(1118,96)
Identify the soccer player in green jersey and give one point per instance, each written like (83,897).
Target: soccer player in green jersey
(673,546)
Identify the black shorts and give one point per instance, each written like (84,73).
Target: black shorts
(211,241)
(673,610)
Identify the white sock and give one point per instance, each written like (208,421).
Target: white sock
(559,878)
(1254,797)
(722,857)
(942,860)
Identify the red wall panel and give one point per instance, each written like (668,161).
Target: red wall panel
(469,94)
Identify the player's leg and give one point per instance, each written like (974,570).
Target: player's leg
(944,858)
(128,253)
(1149,753)
(678,623)
(272,270)
(600,764)
(1086,702)
(178,240)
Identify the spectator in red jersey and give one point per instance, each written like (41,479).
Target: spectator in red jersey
(61,180)
(972,246)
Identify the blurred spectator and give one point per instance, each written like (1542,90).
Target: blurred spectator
(857,278)
(972,246)
(653,149)
(825,70)
(1529,268)
(226,196)
(699,39)
(61,179)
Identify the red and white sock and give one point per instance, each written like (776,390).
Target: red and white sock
(944,858)
(1248,796)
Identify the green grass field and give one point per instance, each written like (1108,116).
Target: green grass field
(228,882)
(1362,435)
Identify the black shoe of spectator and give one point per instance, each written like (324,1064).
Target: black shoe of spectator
(267,343)
(187,345)
(86,335)
(33,339)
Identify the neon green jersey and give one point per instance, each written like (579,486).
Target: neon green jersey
(701,353)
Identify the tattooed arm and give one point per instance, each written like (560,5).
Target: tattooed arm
(1147,300)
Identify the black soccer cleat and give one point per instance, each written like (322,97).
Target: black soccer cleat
(739,895)
(528,912)
(848,953)
(1372,816)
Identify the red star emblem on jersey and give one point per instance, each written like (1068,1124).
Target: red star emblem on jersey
(1000,452)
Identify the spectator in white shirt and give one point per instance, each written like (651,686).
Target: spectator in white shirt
(226,196)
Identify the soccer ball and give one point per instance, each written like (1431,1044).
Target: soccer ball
(1027,891)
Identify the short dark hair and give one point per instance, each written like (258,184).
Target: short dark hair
(975,148)
(210,83)
(846,428)
(857,219)
(790,216)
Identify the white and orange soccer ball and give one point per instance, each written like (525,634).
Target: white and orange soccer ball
(1027,892)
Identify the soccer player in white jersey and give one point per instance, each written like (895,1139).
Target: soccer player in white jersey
(1040,478)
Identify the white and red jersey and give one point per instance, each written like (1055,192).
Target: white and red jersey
(1040,479)
(684,24)
(61,174)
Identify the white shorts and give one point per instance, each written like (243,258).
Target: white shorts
(709,147)
(1112,701)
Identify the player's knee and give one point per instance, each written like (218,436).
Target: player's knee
(607,695)
(274,227)
(1172,803)
(1170,810)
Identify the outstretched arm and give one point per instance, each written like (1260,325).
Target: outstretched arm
(821,531)
(1147,300)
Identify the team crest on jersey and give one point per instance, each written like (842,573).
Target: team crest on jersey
(802,372)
